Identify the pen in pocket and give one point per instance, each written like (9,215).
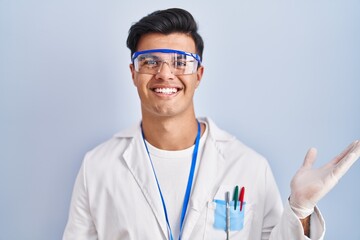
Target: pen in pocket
(227,197)
(235,197)
(241,197)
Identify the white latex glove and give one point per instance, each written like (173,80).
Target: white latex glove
(309,185)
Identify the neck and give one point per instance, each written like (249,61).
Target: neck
(171,133)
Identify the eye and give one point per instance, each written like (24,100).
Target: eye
(180,63)
(150,62)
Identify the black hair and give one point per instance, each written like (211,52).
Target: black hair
(173,20)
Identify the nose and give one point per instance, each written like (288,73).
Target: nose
(165,71)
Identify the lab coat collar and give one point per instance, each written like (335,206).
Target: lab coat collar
(140,167)
(203,188)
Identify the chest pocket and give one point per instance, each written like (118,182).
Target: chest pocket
(215,228)
(240,221)
(236,216)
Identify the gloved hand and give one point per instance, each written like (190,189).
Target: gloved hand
(309,185)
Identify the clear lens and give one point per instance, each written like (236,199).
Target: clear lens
(151,62)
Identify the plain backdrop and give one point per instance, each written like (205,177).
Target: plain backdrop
(282,76)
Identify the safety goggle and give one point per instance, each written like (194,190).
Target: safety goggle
(179,62)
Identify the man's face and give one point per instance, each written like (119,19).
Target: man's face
(163,94)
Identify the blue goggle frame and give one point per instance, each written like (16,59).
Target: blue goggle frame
(165,50)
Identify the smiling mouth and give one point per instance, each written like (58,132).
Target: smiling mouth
(167,91)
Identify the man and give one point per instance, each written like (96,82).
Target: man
(174,176)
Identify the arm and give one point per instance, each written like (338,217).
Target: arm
(307,187)
(281,223)
(306,225)
(305,222)
(80,225)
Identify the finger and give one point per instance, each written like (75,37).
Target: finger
(310,158)
(343,166)
(344,153)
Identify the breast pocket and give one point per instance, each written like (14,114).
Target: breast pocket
(236,216)
(216,220)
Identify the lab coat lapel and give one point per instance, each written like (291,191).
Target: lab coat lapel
(203,188)
(139,165)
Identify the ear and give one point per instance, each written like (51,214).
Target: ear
(199,75)
(132,70)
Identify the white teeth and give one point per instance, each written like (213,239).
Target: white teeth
(166,90)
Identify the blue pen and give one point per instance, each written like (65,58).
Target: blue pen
(227,198)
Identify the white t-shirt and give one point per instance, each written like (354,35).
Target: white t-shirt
(172,170)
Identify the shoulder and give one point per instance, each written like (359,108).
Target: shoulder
(114,147)
(231,148)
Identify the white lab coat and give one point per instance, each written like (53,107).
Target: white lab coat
(115,196)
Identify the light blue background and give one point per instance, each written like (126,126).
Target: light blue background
(280,75)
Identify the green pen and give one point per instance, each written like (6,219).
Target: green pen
(236,196)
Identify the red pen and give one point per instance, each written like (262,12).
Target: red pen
(241,197)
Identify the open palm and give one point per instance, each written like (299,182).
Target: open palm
(309,184)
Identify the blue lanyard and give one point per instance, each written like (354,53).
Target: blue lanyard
(188,187)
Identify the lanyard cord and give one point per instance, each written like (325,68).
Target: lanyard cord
(188,187)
